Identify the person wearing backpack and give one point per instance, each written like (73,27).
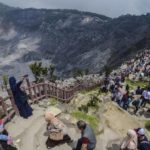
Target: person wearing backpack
(143,143)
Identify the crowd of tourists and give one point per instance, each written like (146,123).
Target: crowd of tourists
(121,94)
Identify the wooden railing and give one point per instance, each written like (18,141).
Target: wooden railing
(40,91)
(8,108)
(37,92)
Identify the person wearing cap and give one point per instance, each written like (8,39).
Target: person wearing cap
(88,139)
(130,141)
(143,143)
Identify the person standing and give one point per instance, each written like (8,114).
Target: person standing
(20,97)
(88,139)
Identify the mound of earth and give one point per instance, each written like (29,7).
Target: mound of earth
(119,120)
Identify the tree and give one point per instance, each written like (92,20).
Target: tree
(5,81)
(78,72)
(86,71)
(38,70)
(107,70)
(51,70)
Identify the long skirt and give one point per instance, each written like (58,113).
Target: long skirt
(25,110)
(51,143)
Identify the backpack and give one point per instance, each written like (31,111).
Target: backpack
(145,145)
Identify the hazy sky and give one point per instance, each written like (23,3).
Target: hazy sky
(111,8)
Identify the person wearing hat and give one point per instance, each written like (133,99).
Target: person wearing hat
(143,143)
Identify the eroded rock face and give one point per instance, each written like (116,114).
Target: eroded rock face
(69,38)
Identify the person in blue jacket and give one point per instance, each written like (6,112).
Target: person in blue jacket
(20,97)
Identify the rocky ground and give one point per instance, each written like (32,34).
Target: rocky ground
(113,123)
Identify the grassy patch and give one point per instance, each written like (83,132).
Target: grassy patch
(53,101)
(94,90)
(134,84)
(93,103)
(92,120)
(147,125)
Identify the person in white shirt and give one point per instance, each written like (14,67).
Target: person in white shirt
(146,97)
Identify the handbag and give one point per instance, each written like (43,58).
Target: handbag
(56,135)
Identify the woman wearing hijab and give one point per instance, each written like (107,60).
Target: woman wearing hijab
(57,131)
(20,98)
(130,142)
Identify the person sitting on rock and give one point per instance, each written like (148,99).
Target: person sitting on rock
(143,143)
(138,91)
(127,87)
(56,130)
(125,101)
(137,104)
(146,97)
(5,140)
(87,140)
(130,141)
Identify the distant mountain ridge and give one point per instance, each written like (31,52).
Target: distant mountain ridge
(70,38)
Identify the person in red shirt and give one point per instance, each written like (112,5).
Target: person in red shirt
(88,139)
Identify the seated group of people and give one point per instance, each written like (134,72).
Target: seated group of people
(123,96)
(135,140)
(58,134)
(137,99)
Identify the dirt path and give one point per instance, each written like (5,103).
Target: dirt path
(28,138)
(24,130)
